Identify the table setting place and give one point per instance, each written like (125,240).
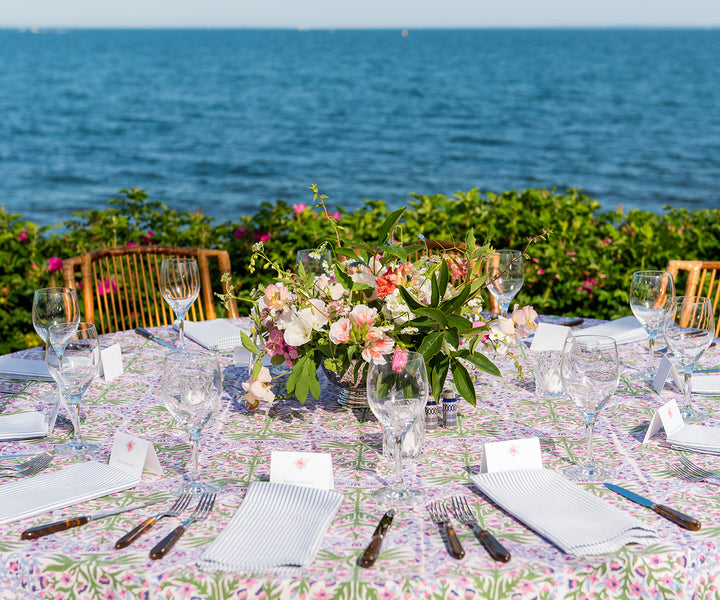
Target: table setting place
(520,492)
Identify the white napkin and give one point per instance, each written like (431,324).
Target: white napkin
(24,425)
(623,331)
(47,491)
(705,384)
(278,528)
(24,368)
(216,334)
(576,521)
(700,438)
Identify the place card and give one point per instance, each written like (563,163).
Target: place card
(308,469)
(664,369)
(132,454)
(511,455)
(111,364)
(549,337)
(667,416)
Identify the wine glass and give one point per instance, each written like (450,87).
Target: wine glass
(180,286)
(397,392)
(505,270)
(54,305)
(590,371)
(191,389)
(73,358)
(650,296)
(314,261)
(689,330)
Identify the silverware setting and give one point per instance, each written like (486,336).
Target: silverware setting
(439,515)
(201,512)
(29,467)
(462,512)
(180,504)
(692,472)
(369,556)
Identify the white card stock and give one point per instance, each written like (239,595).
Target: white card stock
(308,469)
(667,416)
(549,337)
(664,369)
(111,363)
(512,455)
(132,454)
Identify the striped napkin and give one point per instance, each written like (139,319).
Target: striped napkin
(47,491)
(216,334)
(22,426)
(576,521)
(623,331)
(24,368)
(278,528)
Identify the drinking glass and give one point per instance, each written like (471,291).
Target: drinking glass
(590,372)
(73,358)
(191,389)
(314,261)
(180,286)
(54,305)
(650,296)
(505,270)
(689,330)
(397,392)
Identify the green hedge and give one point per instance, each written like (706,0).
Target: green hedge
(583,269)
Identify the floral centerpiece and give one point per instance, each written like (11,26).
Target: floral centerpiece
(373,300)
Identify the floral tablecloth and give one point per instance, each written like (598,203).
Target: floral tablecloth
(414,563)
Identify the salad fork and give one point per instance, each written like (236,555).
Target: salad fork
(180,504)
(202,510)
(439,515)
(690,470)
(462,512)
(29,467)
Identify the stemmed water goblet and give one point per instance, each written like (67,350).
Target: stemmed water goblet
(689,328)
(180,286)
(505,270)
(314,261)
(52,306)
(397,392)
(650,296)
(73,358)
(191,389)
(590,373)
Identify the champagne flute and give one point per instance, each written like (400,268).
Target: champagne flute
(180,286)
(191,389)
(650,296)
(505,270)
(689,330)
(73,359)
(590,371)
(53,306)
(397,392)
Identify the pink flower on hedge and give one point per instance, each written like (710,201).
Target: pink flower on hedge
(148,237)
(23,237)
(335,215)
(298,209)
(587,285)
(132,244)
(107,287)
(55,264)
(240,232)
(263,236)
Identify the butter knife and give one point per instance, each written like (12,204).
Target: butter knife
(685,521)
(39,531)
(146,334)
(368,558)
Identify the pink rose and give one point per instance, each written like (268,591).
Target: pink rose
(363,315)
(335,215)
(340,331)
(378,344)
(263,236)
(399,361)
(147,238)
(55,264)
(298,209)
(23,236)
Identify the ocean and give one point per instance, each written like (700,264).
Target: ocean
(223,120)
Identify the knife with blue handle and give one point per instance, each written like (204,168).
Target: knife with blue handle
(685,521)
(146,334)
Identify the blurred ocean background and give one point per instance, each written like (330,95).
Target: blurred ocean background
(223,120)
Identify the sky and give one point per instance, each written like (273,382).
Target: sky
(340,14)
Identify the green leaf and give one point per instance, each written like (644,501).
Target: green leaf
(303,379)
(389,225)
(431,345)
(438,368)
(435,293)
(343,277)
(459,323)
(444,279)
(453,304)
(435,314)
(463,381)
(413,304)
(248,343)
(452,337)
(480,361)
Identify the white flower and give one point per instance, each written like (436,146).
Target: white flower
(300,324)
(259,389)
(395,308)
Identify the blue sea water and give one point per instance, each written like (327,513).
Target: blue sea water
(225,119)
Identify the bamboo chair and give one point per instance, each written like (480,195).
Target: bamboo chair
(438,248)
(703,279)
(121,290)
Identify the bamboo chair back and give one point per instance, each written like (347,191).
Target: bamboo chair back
(438,248)
(120,286)
(702,279)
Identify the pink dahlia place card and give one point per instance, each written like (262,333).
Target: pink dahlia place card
(132,455)
(668,417)
(511,455)
(308,469)
(111,364)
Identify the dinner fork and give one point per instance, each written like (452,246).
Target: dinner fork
(439,515)
(29,467)
(462,512)
(695,471)
(180,504)
(202,510)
